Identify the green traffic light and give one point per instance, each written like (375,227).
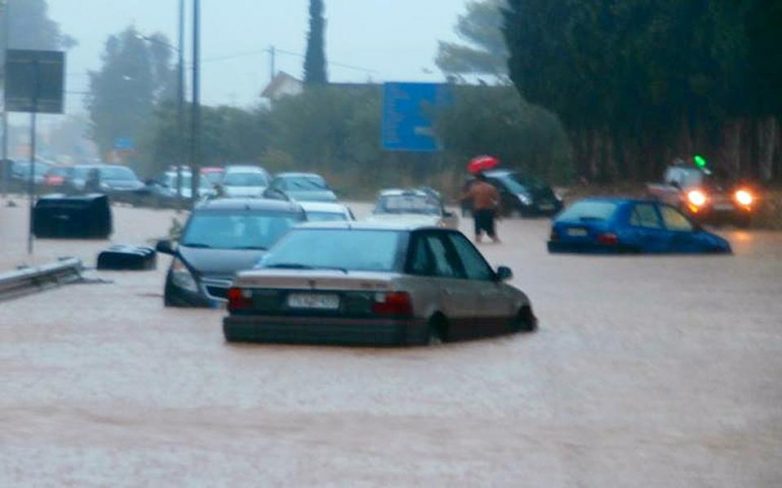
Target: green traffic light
(700,161)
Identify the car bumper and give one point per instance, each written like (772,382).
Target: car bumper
(321,330)
(586,248)
(179,297)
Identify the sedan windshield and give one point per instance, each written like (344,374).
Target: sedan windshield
(401,204)
(244,179)
(239,230)
(305,183)
(349,250)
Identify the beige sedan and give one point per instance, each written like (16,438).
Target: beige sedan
(365,283)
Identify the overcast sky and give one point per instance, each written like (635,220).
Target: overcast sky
(384,40)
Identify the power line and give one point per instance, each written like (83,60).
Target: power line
(282,51)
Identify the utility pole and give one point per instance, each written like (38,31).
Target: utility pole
(180,95)
(272,63)
(4,166)
(195,142)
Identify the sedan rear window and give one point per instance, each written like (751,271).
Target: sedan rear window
(589,210)
(345,249)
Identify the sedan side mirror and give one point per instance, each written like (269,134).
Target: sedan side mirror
(504,273)
(165,246)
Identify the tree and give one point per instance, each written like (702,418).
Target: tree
(31,27)
(485,51)
(123,93)
(315,58)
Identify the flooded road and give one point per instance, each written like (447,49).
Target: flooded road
(646,371)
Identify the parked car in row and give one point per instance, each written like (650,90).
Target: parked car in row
(521,195)
(620,225)
(221,237)
(162,191)
(414,207)
(244,181)
(301,187)
(327,212)
(377,284)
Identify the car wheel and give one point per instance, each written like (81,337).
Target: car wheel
(437,331)
(524,321)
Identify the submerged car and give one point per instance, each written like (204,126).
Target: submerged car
(520,194)
(374,284)
(617,225)
(221,237)
(302,187)
(414,207)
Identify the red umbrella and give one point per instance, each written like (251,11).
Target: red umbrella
(482,163)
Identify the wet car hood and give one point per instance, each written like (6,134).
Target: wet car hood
(219,262)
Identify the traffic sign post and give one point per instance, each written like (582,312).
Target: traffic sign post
(34,83)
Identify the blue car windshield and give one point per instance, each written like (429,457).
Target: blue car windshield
(237,230)
(589,210)
(344,249)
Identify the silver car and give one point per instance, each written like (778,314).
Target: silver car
(360,283)
(413,207)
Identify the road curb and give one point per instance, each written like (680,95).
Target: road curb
(29,280)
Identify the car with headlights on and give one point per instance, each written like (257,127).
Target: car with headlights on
(413,207)
(221,237)
(621,225)
(364,283)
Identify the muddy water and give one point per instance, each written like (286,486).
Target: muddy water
(647,371)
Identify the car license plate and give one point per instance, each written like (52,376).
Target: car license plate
(723,206)
(318,301)
(577,232)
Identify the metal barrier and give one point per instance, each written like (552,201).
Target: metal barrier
(34,279)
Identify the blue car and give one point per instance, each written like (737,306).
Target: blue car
(620,225)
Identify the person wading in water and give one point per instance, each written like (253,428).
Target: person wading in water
(485,201)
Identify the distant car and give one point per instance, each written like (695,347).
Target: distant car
(117,181)
(413,206)
(243,181)
(302,187)
(221,237)
(326,212)
(521,195)
(616,225)
(212,174)
(54,178)
(162,191)
(20,173)
(706,197)
(363,283)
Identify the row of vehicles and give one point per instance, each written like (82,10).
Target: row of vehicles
(293,268)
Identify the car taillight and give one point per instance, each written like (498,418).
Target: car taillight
(608,239)
(744,197)
(239,299)
(396,303)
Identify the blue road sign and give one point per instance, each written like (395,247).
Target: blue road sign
(124,144)
(408,110)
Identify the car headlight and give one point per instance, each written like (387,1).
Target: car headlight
(744,197)
(524,198)
(697,198)
(181,276)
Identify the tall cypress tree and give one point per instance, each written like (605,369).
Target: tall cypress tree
(315,60)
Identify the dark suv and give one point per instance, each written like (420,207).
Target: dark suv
(521,195)
(221,237)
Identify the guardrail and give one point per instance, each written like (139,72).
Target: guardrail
(34,279)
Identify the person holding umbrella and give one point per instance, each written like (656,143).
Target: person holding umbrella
(485,203)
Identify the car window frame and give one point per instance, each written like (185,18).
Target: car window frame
(492,275)
(655,209)
(450,250)
(693,226)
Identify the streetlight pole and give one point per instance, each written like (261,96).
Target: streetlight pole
(181,106)
(5,168)
(195,141)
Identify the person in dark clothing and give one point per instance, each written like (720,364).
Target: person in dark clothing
(485,201)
